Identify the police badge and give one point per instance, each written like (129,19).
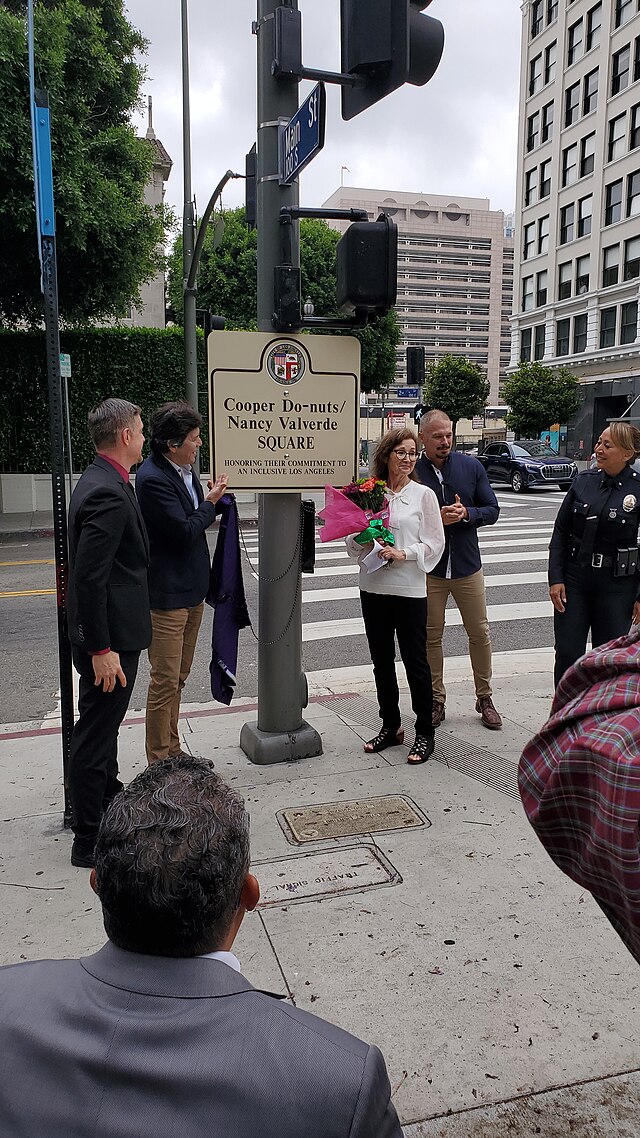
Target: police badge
(629,503)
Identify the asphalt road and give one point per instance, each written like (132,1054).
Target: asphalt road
(28,626)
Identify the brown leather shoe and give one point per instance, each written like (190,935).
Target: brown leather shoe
(490,717)
(437,715)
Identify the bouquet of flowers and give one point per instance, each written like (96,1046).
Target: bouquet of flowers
(360,508)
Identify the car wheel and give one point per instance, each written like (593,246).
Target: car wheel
(517,484)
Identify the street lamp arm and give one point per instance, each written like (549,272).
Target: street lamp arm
(202,229)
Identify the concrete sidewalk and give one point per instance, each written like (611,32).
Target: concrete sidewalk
(501,998)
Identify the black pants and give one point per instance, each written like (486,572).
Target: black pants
(596,601)
(386,617)
(93,759)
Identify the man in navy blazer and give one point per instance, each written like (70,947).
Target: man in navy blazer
(158,1033)
(467,501)
(107,612)
(177,515)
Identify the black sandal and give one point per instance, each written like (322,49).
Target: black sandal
(385,738)
(423,747)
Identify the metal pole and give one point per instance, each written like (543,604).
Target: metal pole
(188,228)
(67,424)
(280,733)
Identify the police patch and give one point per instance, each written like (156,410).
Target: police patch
(629,503)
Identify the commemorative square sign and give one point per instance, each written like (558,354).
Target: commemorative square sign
(284,410)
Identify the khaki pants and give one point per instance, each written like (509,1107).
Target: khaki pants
(173,643)
(470,597)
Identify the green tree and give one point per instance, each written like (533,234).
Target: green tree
(227,284)
(538,396)
(457,386)
(108,241)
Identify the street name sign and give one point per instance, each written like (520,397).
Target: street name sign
(284,410)
(408,392)
(303,136)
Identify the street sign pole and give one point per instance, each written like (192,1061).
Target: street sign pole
(280,733)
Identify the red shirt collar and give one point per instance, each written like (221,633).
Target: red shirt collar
(116,466)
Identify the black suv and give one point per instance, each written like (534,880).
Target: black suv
(526,463)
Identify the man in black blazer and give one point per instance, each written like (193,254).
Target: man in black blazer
(158,1033)
(177,515)
(107,612)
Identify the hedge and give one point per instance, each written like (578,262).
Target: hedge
(144,365)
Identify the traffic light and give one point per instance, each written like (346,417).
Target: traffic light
(386,43)
(415,367)
(286,291)
(367,266)
(250,198)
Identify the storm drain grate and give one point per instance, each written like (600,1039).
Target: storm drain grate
(351,818)
(492,770)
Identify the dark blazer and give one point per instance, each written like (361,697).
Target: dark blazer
(180,561)
(465,476)
(108,595)
(146,1045)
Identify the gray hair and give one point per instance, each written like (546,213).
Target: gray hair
(172,857)
(108,419)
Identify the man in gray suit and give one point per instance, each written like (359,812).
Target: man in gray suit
(158,1033)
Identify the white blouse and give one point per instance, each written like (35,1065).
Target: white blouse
(415,522)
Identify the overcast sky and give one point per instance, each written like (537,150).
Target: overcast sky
(456,136)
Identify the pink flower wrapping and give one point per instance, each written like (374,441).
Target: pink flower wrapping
(341,516)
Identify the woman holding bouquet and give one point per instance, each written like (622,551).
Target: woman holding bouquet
(394,597)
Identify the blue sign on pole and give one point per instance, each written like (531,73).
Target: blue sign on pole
(408,392)
(303,136)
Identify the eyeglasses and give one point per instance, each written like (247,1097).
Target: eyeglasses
(402,454)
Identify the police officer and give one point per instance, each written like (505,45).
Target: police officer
(593,554)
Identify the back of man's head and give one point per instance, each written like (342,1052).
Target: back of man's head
(108,420)
(172,857)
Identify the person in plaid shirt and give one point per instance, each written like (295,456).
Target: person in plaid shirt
(579,780)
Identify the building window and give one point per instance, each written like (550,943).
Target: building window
(533,130)
(590,92)
(543,234)
(629,322)
(610,265)
(564,280)
(636,60)
(607,327)
(585,211)
(525,344)
(535,74)
(582,275)
(570,165)
(613,202)
(538,342)
(572,104)
(624,12)
(541,288)
(594,23)
(631,258)
(620,69)
(552,11)
(527,294)
(530,185)
(537,17)
(567,220)
(587,154)
(545,178)
(562,337)
(547,122)
(616,137)
(574,50)
(550,54)
(528,240)
(580,333)
(634,132)
(633,194)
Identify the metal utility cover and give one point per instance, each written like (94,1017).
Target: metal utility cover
(349,819)
(312,876)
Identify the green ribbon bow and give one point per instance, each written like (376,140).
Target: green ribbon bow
(376,531)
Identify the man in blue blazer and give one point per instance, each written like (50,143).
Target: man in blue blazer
(177,515)
(159,1033)
(467,501)
(107,612)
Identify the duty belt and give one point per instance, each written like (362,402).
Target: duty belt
(598,560)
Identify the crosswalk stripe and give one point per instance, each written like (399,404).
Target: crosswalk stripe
(508,532)
(352,592)
(354,626)
(514,541)
(523,555)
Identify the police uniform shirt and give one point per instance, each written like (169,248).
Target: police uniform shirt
(616,501)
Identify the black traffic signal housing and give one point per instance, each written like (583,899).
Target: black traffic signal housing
(415,367)
(386,43)
(367,267)
(287,315)
(250,191)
